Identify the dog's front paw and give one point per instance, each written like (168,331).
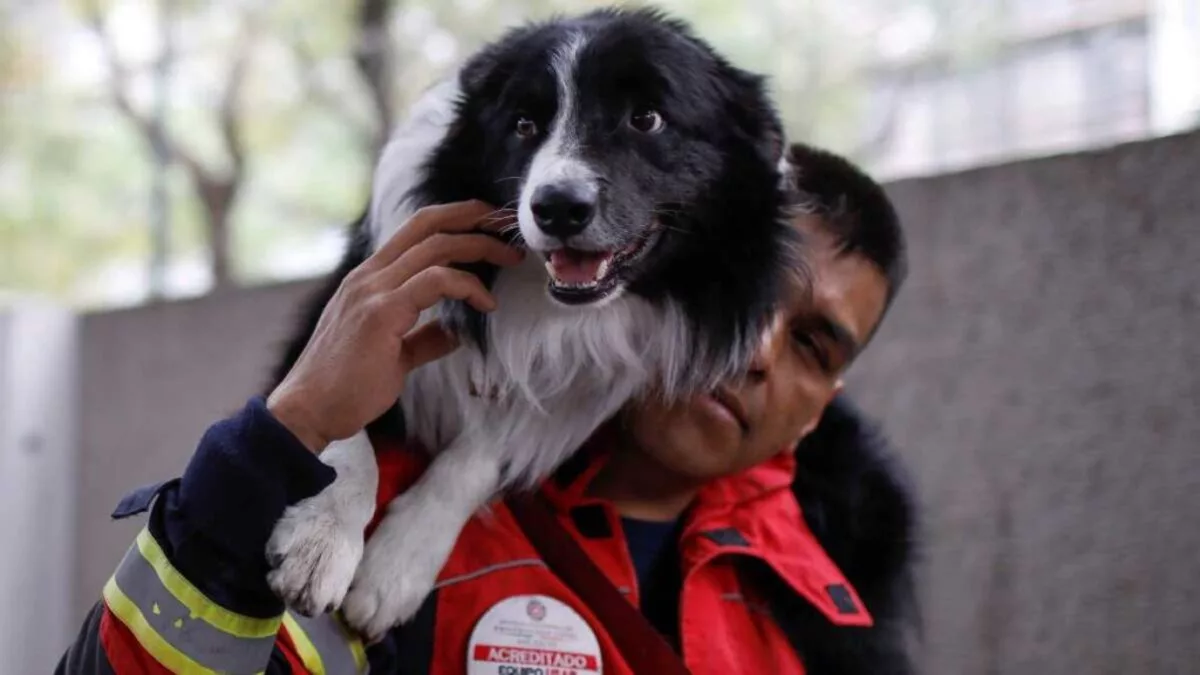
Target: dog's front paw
(314,554)
(401,566)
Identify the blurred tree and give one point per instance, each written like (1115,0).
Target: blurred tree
(218,182)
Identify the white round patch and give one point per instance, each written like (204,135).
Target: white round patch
(533,635)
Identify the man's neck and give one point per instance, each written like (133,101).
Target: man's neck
(639,487)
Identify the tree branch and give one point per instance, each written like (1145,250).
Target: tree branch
(120,98)
(217,188)
(374,60)
(323,97)
(227,117)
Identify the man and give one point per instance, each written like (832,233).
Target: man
(758,528)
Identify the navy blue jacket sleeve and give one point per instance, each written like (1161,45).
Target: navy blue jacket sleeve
(209,526)
(214,521)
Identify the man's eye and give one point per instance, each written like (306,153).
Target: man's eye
(805,342)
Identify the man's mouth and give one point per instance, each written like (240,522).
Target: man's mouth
(580,277)
(727,400)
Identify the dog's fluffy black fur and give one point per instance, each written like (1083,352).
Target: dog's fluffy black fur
(859,503)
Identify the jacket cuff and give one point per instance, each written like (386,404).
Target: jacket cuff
(246,471)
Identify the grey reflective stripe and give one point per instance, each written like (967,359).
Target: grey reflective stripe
(334,646)
(193,637)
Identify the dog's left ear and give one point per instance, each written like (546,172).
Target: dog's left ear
(751,108)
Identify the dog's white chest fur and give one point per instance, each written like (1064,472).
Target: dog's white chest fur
(550,374)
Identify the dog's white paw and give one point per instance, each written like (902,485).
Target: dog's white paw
(314,554)
(401,566)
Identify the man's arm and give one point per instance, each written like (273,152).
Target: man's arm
(191,595)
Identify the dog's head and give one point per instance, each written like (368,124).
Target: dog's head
(626,145)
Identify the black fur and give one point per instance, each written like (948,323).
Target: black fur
(859,503)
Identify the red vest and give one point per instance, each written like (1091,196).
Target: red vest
(725,626)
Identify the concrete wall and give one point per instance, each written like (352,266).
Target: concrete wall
(1039,373)
(153,379)
(1042,374)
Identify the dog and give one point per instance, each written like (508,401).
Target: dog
(644,170)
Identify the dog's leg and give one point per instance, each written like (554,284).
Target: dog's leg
(318,542)
(406,553)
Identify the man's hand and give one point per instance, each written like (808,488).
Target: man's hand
(366,341)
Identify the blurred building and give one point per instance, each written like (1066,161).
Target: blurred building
(1038,77)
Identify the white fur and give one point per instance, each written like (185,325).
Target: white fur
(404,156)
(553,374)
(557,161)
(319,541)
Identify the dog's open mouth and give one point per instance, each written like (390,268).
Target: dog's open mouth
(580,277)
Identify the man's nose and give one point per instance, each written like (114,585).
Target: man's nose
(769,344)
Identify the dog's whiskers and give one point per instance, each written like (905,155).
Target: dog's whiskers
(665,226)
(502,213)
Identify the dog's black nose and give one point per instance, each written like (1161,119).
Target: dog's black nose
(563,210)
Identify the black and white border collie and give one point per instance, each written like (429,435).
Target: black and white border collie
(643,169)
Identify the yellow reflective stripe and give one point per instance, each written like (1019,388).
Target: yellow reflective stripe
(304,646)
(128,613)
(325,645)
(197,603)
(356,646)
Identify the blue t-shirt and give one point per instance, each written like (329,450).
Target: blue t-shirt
(653,547)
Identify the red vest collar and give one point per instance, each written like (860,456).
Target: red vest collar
(752,513)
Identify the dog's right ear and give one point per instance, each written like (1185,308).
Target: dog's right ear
(751,108)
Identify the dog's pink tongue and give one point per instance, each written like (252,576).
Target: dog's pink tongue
(571,266)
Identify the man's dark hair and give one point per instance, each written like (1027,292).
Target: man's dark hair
(854,207)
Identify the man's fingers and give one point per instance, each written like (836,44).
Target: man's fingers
(428,343)
(433,284)
(454,217)
(444,249)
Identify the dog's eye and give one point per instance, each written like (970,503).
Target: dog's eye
(647,121)
(526,128)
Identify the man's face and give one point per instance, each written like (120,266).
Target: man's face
(795,372)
